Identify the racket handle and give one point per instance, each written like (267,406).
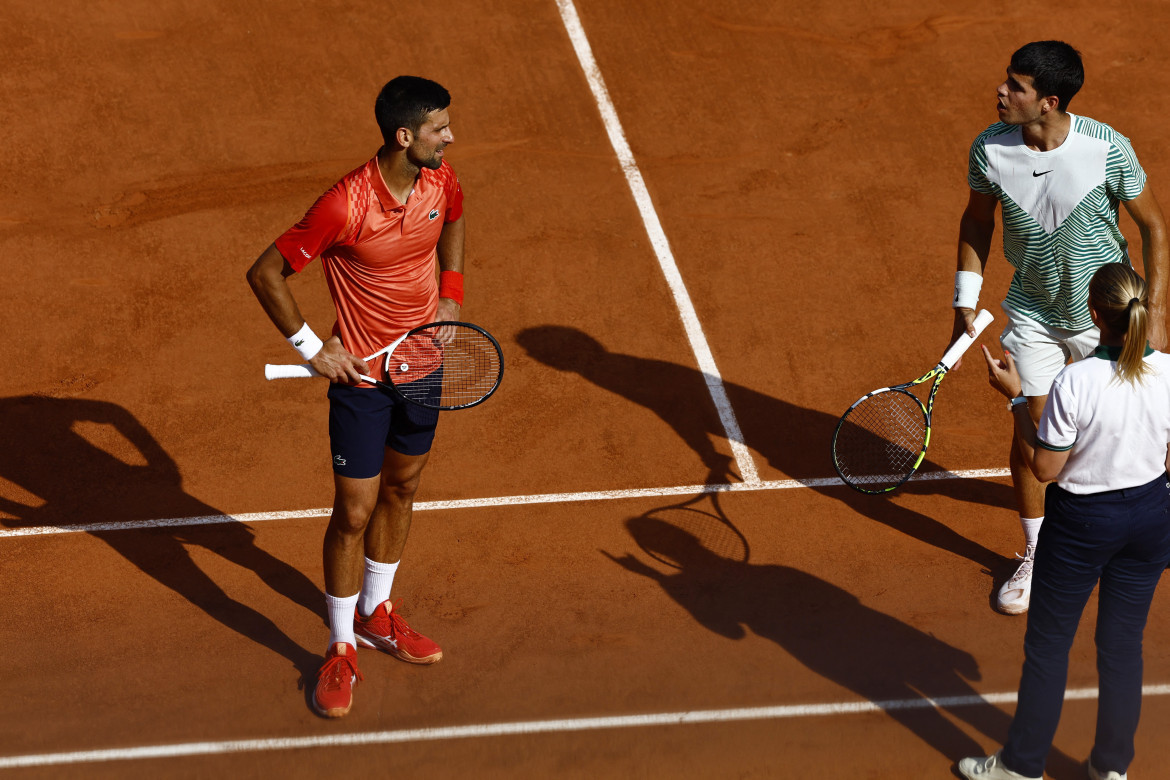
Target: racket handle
(299,371)
(965,340)
(287,371)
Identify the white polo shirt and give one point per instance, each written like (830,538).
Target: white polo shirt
(1117,432)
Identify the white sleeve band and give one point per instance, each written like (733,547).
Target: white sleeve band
(967,286)
(305,341)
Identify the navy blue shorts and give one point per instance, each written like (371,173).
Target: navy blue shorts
(363,422)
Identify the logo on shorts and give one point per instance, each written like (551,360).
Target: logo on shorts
(433,215)
(306,254)
(338,460)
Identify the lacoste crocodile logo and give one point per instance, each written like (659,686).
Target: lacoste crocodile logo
(433,215)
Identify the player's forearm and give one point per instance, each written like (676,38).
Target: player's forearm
(974,244)
(267,279)
(450,246)
(975,231)
(1156,259)
(1147,215)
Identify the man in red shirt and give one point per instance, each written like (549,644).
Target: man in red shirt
(381,233)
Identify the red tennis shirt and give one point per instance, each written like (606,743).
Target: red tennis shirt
(379,255)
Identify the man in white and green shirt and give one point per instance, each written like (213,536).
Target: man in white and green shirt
(1060,180)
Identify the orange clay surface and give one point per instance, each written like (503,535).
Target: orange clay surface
(807,163)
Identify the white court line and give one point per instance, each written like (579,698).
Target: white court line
(747,469)
(529,727)
(479,503)
(690,319)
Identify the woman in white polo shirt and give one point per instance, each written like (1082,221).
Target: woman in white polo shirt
(1103,437)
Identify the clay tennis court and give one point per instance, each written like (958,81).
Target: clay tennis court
(622,585)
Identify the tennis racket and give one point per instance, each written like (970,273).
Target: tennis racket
(882,438)
(440,365)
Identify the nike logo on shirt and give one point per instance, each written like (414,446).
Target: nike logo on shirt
(1042,173)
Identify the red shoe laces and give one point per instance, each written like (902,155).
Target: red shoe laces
(334,675)
(392,625)
(400,626)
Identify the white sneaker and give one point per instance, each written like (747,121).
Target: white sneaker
(1097,774)
(1015,594)
(989,768)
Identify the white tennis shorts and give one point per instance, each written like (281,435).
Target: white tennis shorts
(1041,351)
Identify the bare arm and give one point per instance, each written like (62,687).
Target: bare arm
(450,251)
(450,248)
(1147,214)
(976,228)
(268,278)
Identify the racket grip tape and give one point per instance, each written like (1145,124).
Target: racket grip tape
(965,340)
(300,371)
(288,371)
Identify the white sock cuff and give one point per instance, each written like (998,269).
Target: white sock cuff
(376,585)
(341,618)
(1031,526)
(381,568)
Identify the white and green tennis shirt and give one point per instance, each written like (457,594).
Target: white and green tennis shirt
(1059,212)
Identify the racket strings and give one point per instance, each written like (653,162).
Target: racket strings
(713,533)
(447,366)
(880,440)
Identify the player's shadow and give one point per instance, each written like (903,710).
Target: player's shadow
(829,631)
(795,440)
(50,453)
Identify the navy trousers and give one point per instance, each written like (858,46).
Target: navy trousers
(1120,538)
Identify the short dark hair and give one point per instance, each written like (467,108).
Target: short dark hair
(405,101)
(1055,68)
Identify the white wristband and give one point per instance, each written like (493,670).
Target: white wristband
(305,341)
(967,286)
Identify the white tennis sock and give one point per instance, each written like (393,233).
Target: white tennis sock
(341,619)
(1031,527)
(376,585)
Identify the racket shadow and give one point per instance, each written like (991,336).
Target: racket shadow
(793,439)
(80,483)
(712,529)
(829,631)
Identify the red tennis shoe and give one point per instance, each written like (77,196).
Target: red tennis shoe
(335,680)
(386,630)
